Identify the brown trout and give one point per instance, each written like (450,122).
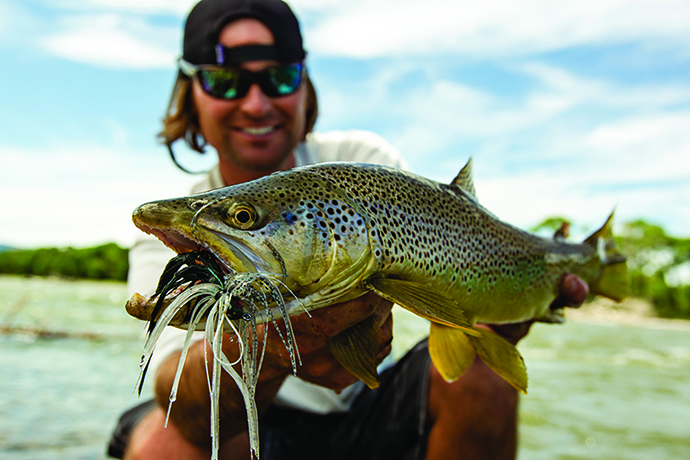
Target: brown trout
(331,232)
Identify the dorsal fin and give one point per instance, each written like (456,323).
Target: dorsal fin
(464,179)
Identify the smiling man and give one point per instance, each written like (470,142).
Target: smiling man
(243,89)
(253,133)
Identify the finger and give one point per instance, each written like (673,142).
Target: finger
(386,337)
(330,321)
(512,332)
(573,292)
(383,311)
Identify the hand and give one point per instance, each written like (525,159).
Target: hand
(573,293)
(313,333)
(190,413)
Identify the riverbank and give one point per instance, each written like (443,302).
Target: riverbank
(630,312)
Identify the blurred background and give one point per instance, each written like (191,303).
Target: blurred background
(570,109)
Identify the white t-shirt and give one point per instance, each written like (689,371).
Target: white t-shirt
(148,257)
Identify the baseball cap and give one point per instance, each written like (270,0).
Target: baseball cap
(208,17)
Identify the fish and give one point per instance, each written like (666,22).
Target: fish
(331,232)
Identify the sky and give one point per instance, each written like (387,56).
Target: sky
(568,108)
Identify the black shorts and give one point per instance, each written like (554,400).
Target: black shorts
(386,423)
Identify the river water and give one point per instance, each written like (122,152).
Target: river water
(596,391)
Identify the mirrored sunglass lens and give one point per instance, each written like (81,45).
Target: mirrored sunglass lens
(220,83)
(286,79)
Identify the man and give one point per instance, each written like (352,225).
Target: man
(243,89)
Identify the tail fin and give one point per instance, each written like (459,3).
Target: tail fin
(613,282)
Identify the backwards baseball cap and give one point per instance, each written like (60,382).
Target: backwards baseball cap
(208,17)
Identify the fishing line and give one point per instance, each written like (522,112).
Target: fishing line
(192,224)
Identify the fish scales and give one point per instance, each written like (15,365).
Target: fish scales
(426,230)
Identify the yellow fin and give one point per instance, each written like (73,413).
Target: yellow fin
(422,301)
(356,348)
(451,351)
(502,357)
(613,282)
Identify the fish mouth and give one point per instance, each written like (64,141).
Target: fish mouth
(176,224)
(233,253)
(176,241)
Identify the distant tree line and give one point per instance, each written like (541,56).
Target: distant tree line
(659,268)
(658,264)
(104,262)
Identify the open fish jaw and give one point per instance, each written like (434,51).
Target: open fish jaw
(172,239)
(175,231)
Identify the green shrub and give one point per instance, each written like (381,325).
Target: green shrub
(104,262)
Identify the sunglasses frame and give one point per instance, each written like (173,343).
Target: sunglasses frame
(260,78)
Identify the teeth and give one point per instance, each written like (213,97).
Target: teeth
(258,131)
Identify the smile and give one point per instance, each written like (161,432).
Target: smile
(258,130)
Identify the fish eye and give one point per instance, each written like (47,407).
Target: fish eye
(242,216)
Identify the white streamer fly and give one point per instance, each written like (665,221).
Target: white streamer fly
(229,304)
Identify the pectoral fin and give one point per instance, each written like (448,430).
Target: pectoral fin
(356,348)
(502,357)
(422,301)
(451,351)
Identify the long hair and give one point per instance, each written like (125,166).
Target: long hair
(181,121)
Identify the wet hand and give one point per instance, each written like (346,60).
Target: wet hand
(573,293)
(313,333)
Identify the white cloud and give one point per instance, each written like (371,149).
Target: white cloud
(453,110)
(174,7)
(639,164)
(663,130)
(80,195)
(493,28)
(115,41)
(15,21)
(647,148)
(564,84)
(317,5)
(363,29)
(5,16)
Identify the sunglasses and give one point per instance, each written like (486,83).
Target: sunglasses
(234,82)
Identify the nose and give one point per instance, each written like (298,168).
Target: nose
(256,104)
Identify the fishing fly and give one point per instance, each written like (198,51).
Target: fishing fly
(228,301)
